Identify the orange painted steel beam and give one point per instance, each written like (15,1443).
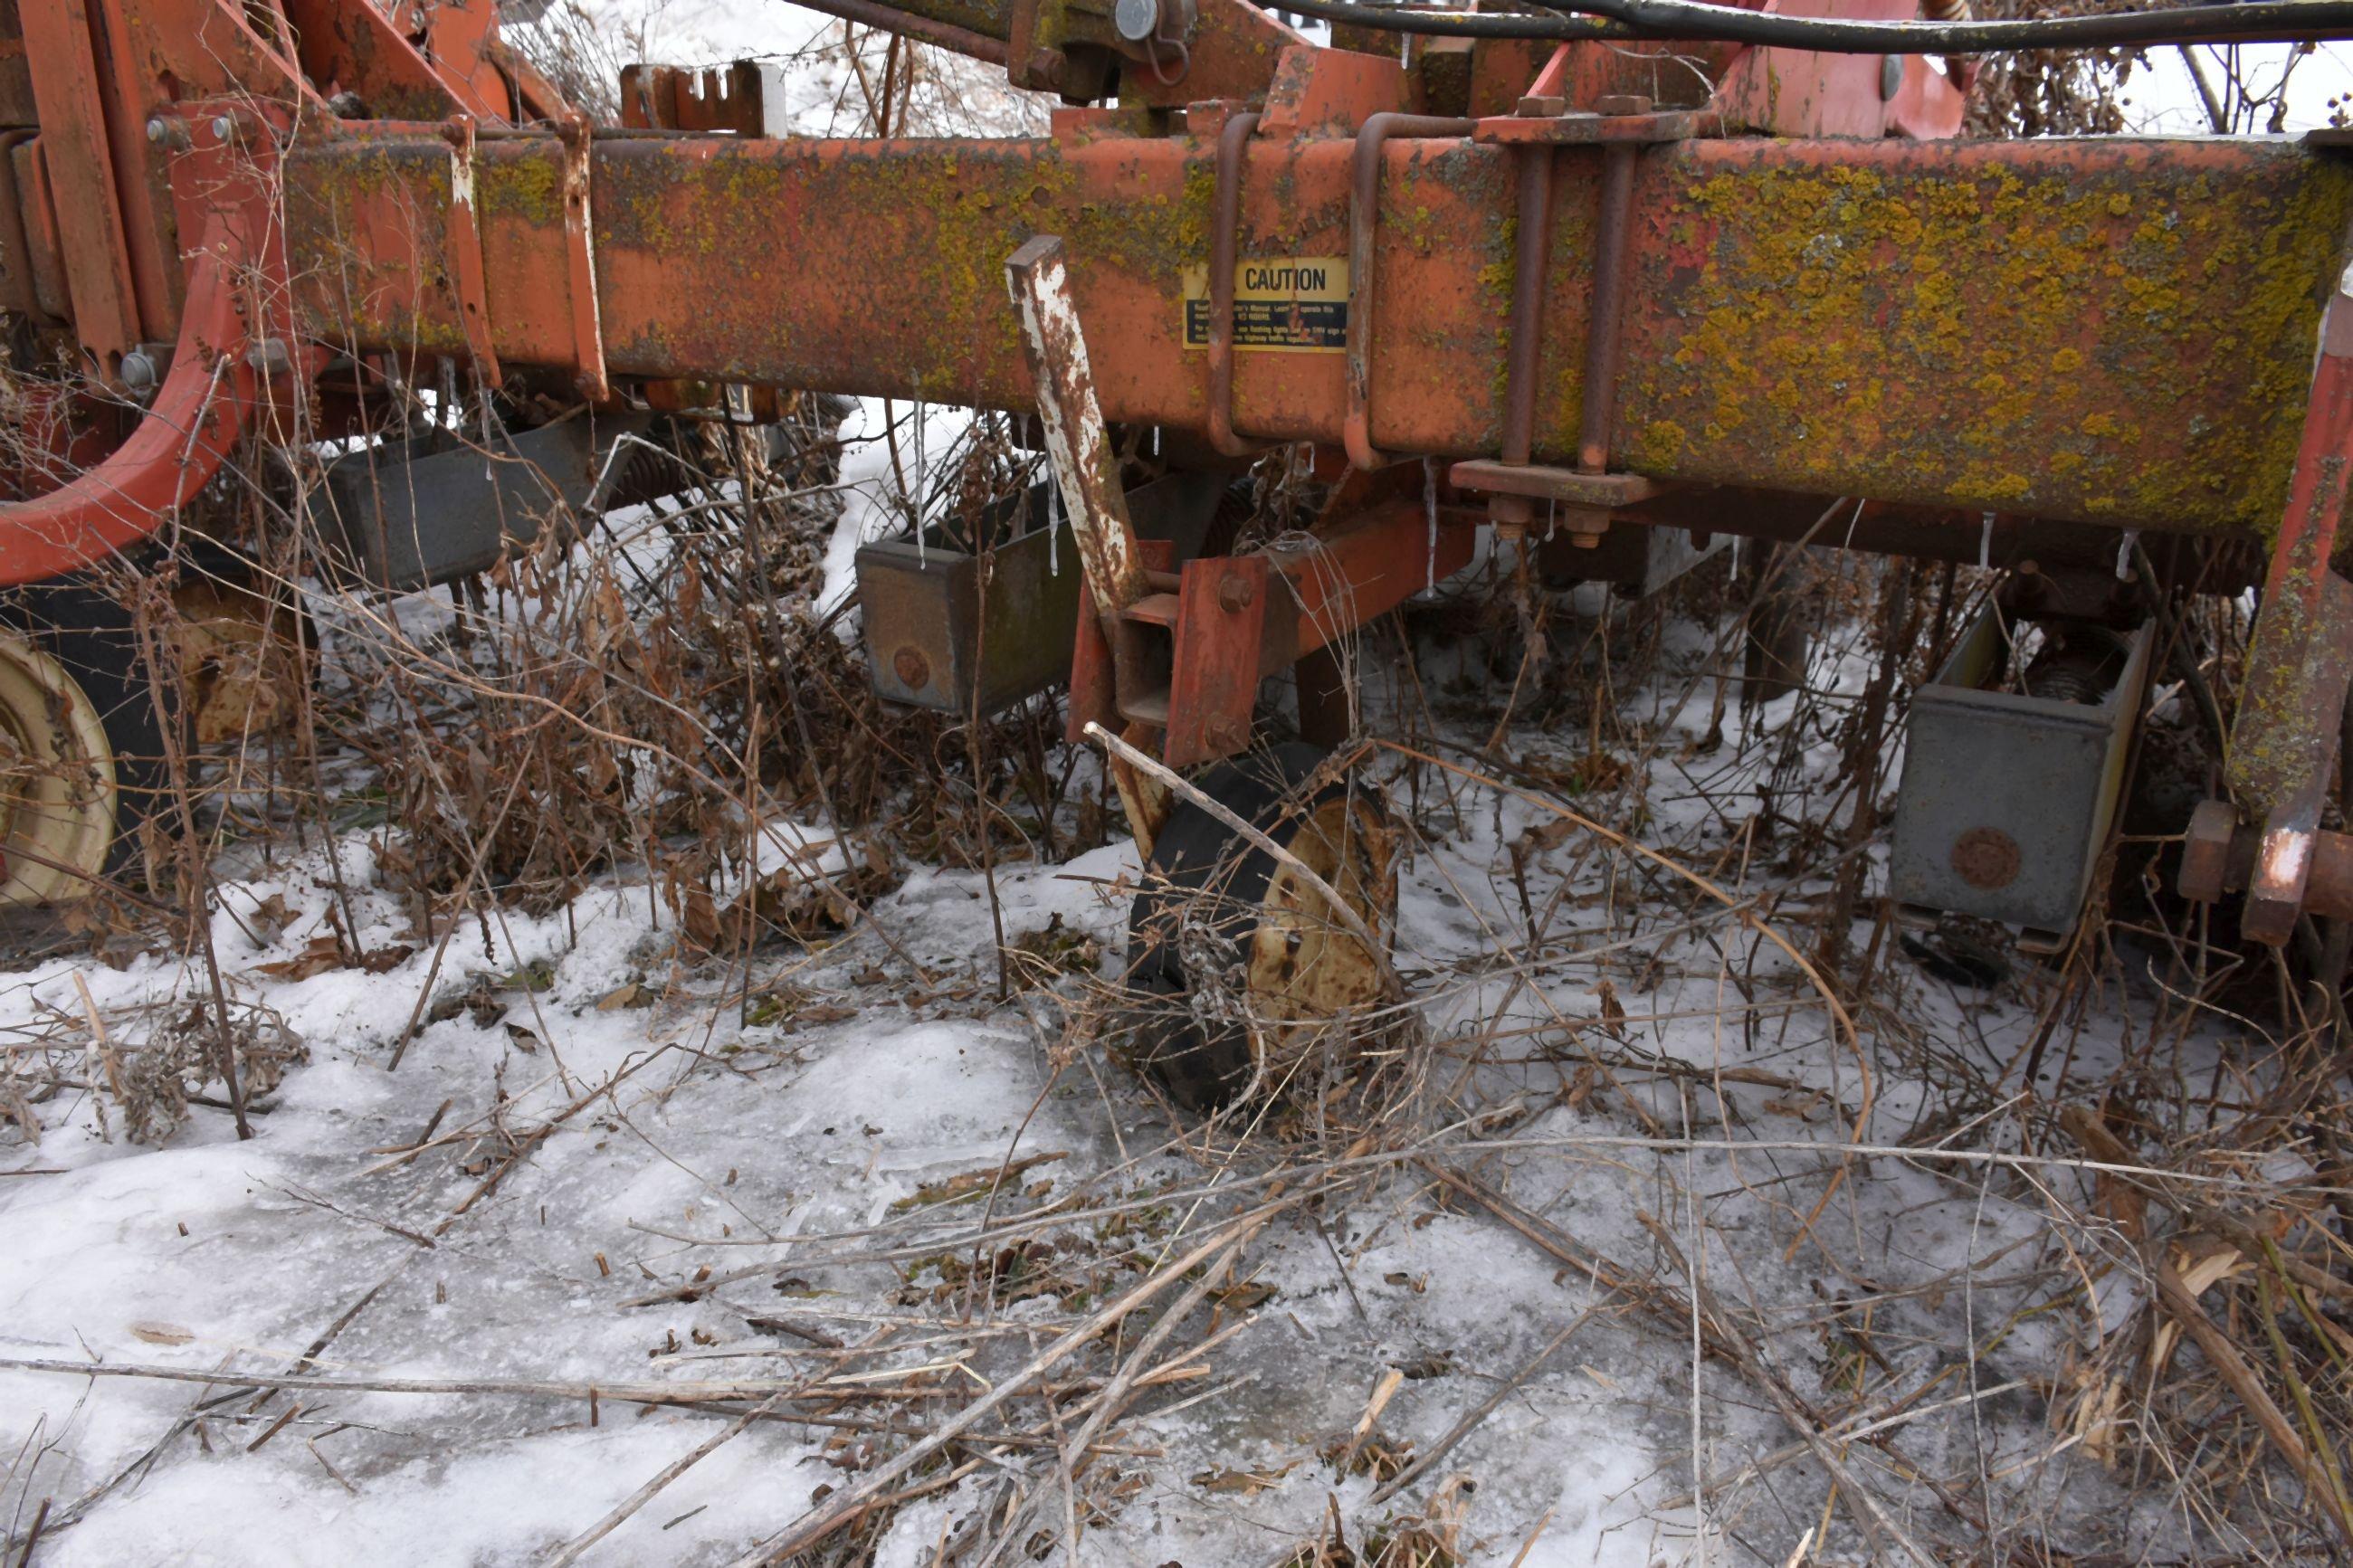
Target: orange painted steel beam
(237,359)
(204,406)
(76,145)
(2112,331)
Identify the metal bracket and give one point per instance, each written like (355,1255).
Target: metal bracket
(72,110)
(1621,127)
(746,98)
(2283,743)
(1363,228)
(1635,127)
(1078,443)
(463,240)
(580,241)
(1224,240)
(1569,487)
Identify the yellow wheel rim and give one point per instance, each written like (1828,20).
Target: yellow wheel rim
(57,780)
(1306,972)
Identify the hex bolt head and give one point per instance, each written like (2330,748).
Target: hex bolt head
(270,357)
(1235,593)
(913,670)
(155,129)
(1046,69)
(1585,526)
(138,370)
(222,128)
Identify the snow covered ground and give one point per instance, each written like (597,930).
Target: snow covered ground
(603,1124)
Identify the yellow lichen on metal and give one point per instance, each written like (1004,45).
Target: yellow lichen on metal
(2126,335)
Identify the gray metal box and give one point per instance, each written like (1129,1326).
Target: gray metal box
(408,514)
(922,608)
(2005,798)
(927,636)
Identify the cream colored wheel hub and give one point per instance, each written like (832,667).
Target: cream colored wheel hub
(57,780)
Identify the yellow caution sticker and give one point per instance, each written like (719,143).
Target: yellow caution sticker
(1281,305)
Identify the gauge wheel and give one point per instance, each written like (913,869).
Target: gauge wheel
(80,746)
(1236,966)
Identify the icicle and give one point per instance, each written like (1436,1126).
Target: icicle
(915,502)
(1552,516)
(1054,530)
(1429,505)
(2124,554)
(490,471)
(1985,544)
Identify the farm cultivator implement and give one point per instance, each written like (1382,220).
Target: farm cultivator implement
(1614,289)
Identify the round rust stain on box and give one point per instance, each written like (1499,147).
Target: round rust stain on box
(1986,857)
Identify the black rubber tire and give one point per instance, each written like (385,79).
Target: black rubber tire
(1201,1064)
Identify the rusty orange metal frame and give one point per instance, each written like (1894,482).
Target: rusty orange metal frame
(152,200)
(2112,331)
(1587,303)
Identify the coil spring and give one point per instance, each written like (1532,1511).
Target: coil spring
(2080,661)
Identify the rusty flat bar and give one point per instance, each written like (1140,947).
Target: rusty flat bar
(2102,331)
(88,214)
(1078,445)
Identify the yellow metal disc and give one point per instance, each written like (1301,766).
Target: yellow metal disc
(57,780)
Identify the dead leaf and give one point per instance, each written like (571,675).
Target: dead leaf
(1802,1107)
(320,954)
(702,917)
(971,1182)
(628,994)
(1243,1297)
(271,915)
(1613,1012)
(1238,1482)
(385,959)
(2112,1196)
